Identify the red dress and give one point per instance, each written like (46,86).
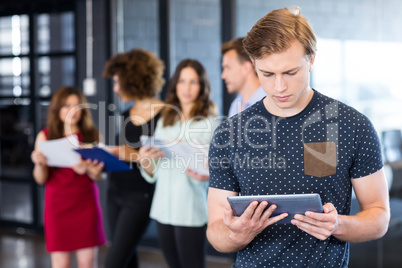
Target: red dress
(73,216)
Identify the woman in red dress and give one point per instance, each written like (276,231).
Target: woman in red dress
(72,217)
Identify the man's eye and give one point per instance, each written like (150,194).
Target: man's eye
(292,73)
(267,75)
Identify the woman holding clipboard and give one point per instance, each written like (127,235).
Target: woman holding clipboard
(137,76)
(72,216)
(180,201)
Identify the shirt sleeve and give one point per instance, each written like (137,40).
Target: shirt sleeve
(220,170)
(368,156)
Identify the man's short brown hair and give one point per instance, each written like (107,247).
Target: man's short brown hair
(140,73)
(237,45)
(275,32)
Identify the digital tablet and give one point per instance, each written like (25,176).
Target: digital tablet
(288,203)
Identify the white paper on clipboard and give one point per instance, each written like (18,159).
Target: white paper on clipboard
(60,153)
(194,157)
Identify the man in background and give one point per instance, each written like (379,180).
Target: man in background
(239,76)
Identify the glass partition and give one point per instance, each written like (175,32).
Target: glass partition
(27,82)
(55,32)
(14,35)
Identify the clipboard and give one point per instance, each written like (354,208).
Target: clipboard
(112,163)
(286,203)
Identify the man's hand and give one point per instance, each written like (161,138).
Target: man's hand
(228,233)
(319,225)
(252,222)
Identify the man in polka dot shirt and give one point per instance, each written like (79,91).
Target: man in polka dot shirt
(294,141)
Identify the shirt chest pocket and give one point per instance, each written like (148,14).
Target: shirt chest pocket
(320,159)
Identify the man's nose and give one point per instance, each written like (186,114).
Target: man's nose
(280,84)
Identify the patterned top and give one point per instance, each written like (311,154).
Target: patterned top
(316,151)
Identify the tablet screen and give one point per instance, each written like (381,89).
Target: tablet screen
(289,203)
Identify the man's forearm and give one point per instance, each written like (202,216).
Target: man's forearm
(366,225)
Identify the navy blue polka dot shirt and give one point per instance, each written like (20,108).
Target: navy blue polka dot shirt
(318,150)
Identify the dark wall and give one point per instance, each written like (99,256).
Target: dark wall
(11,7)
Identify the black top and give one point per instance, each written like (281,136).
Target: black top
(126,183)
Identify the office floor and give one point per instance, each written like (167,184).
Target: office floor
(22,249)
(27,250)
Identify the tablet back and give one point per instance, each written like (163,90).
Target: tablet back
(289,203)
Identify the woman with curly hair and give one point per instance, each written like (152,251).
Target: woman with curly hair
(180,202)
(72,216)
(137,76)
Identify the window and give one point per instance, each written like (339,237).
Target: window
(363,74)
(30,71)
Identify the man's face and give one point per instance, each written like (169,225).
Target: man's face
(233,71)
(285,78)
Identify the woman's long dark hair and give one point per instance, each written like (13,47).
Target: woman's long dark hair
(55,125)
(203,106)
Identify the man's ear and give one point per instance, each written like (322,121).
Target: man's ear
(311,60)
(253,66)
(249,65)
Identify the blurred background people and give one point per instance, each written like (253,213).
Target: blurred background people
(239,76)
(72,216)
(179,206)
(137,76)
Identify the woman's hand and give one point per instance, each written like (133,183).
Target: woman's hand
(147,157)
(94,169)
(80,168)
(38,158)
(114,150)
(91,167)
(197,176)
(41,170)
